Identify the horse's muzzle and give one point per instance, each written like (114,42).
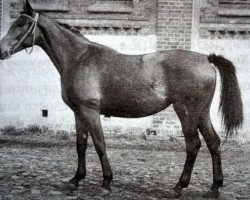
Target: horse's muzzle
(4,55)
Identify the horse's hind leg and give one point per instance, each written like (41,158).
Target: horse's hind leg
(188,115)
(213,144)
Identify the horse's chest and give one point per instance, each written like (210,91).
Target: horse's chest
(80,88)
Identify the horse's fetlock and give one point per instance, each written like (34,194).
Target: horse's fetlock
(217,183)
(183,184)
(80,175)
(108,177)
(106,181)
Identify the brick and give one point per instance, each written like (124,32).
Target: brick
(174,24)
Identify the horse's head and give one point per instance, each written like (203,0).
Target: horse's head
(22,33)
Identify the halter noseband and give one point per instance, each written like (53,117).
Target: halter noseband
(31,30)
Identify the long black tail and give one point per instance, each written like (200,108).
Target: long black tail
(230,103)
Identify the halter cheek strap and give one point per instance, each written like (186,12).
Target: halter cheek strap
(31,30)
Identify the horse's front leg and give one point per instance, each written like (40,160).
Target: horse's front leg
(81,146)
(91,118)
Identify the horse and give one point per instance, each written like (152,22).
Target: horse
(96,80)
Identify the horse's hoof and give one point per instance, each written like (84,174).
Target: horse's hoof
(173,193)
(215,194)
(102,192)
(73,184)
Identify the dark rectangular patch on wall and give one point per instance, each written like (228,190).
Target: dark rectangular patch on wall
(45,113)
(50,5)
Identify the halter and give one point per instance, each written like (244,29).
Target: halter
(31,30)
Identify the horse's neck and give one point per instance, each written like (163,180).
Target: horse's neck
(62,46)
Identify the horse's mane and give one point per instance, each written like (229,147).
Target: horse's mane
(78,33)
(71,28)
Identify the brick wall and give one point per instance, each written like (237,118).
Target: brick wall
(96,18)
(174,24)
(225,19)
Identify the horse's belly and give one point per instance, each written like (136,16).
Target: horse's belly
(133,107)
(133,93)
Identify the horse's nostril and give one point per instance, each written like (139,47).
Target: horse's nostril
(1,55)
(4,55)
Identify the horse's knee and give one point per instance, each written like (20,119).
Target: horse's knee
(197,143)
(193,145)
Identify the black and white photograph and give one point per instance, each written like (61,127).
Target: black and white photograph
(124,99)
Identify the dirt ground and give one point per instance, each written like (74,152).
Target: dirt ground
(32,170)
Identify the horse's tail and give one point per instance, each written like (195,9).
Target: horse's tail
(230,103)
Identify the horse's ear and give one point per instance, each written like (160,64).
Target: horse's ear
(27,7)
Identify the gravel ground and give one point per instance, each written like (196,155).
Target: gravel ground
(33,170)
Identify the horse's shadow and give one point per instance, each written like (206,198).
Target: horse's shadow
(136,189)
(150,192)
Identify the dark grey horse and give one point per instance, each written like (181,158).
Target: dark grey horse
(98,80)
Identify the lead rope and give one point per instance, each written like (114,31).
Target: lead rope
(33,26)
